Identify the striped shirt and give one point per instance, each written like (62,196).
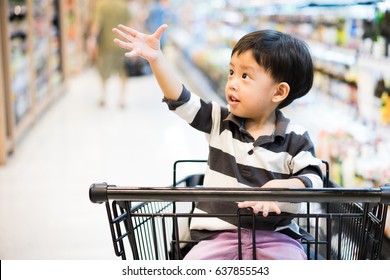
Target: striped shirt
(236,159)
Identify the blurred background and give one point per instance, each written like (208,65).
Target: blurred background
(69,117)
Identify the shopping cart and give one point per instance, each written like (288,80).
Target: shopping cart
(153,222)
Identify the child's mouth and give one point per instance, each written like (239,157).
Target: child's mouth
(233,99)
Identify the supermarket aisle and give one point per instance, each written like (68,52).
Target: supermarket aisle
(45,212)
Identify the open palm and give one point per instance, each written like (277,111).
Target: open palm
(138,43)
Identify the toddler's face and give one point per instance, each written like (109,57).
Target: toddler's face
(250,88)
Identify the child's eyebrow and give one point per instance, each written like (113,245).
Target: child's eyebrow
(247,68)
(244,67)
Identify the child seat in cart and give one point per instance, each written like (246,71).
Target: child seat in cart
(152,223)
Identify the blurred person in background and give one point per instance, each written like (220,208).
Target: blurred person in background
(108,59)
(158,14)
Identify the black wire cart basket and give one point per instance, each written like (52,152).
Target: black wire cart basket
(152,223)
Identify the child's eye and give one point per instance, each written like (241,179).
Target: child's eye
(231,72)
(244,76)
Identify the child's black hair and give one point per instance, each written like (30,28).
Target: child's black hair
(285,57)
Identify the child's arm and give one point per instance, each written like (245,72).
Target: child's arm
(148,47)
(271,206)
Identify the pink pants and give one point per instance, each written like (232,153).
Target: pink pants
(270,245)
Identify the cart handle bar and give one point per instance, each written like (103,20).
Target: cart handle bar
(102,192)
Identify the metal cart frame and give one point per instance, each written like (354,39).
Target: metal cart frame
(339,223)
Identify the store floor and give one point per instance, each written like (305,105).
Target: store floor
(45,211)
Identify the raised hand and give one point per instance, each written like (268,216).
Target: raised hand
(138,43)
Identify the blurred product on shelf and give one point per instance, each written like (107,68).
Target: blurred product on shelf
(385,107)
(33,64)
(355,164)
(383,93)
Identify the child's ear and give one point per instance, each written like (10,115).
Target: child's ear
(282,91)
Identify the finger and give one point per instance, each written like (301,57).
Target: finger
(123,35)
(245,204)
(265,209)
(240,205)
(128,30)
(159,32)
(277,209)
(122,44)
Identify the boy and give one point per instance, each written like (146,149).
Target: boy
(251,143)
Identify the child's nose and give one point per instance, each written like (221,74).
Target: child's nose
(232,84)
